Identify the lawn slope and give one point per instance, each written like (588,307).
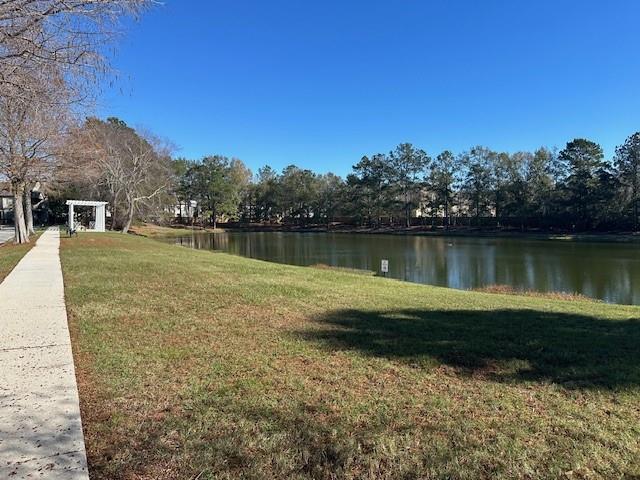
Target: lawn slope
(11,254)
(196,364)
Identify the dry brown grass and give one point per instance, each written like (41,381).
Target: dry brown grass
(509,290)
(152,230)
(324,266)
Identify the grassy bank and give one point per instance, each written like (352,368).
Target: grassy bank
(152,231)
(194,364)
(11,254)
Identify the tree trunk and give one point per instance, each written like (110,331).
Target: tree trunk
(114,211)
(407,213)
(22,234)
(28,211)
(446,214)
(129,221)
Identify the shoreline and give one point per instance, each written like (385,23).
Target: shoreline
(149,230)
(605,237)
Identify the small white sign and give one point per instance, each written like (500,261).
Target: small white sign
(384,266)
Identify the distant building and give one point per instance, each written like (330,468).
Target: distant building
(185,211)
(40,212)
(6,205)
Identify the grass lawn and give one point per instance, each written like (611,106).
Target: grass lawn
(11,254)
(195,364)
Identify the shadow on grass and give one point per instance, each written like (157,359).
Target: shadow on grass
(505,345)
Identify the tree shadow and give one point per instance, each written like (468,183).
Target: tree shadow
(576,351)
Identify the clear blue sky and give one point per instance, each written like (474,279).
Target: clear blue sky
(321,83)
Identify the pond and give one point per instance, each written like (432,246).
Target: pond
(606,271)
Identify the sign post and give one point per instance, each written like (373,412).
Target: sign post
(384,267)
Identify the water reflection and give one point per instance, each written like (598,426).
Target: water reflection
(607,271)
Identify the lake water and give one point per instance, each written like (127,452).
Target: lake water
(607,271)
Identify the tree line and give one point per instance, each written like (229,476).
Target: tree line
(571,189)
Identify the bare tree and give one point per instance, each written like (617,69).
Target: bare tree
(67,35)
(31,129)
(38,38)
(130,169)
(147,174)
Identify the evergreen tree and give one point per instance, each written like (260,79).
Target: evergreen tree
(406,164)
(442,179)
(267,194)
(215,184)
(584,160)
(627,163)
(370,184)
(478,179)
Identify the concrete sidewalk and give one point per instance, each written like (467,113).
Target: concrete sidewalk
(40,427)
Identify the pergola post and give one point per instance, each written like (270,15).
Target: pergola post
(70,216)
(100,218)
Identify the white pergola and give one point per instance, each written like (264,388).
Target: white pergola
(101,213)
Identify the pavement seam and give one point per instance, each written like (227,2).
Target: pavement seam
(34,347)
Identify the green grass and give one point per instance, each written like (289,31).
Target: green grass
(194,364)
(11,254)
